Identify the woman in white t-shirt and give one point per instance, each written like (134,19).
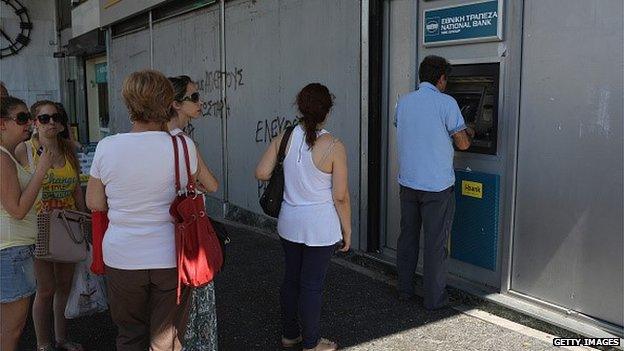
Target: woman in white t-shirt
(201,331)
(133,178)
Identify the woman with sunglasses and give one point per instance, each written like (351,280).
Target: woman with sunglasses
(201,332)
(19,189)
(187,106)
(61,190)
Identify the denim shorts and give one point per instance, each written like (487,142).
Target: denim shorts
(17,275)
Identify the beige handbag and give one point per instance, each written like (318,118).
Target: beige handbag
(61,235)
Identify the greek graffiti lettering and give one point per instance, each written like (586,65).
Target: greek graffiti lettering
(211,80)
(268,129)
(212,108)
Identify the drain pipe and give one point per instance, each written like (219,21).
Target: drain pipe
(224,112)
(151,39)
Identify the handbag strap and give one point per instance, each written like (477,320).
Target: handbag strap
(281,154)
(190,185)
(176,162)
(69,229)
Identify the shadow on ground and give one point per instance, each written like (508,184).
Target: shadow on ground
(356,308)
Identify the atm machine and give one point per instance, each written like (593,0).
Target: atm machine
(475,236)
(480,62)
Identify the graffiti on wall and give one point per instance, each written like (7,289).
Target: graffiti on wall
(211,80)
(268,129)
(213,108)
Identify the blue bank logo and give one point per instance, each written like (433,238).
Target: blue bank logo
(433,26)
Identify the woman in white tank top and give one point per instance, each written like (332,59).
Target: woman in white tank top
(314,218)
(201,327)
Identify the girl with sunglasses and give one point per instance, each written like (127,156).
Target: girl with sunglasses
(19,189)
(187,106)
(61,190)
(201,331)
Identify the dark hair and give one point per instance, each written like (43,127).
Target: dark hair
(432,68)
(3,90)
(8,103)
(148,94)
(61,110)
(180,83)
(65,143)
(314,102)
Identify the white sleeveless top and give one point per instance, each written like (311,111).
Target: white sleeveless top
(308,215)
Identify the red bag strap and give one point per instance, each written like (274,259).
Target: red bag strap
(190,183)
(176,161)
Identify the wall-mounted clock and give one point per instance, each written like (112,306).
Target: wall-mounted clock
(15,27)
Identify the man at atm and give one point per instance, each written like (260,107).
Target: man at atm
(428,122)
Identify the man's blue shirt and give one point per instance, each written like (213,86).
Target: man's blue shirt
(425,120)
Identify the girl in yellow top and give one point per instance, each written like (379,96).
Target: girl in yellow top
(60,190)
(19,189)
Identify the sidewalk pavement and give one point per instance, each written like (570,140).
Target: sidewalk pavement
(359,311)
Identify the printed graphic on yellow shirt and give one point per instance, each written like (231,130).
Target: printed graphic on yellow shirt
(58,189)
(59,184)
(472,189)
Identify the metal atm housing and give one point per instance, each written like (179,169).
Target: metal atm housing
(476,234)
(477,82)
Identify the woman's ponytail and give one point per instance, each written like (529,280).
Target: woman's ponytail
(314,102)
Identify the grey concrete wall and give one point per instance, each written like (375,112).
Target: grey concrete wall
(400,77)
(32,74)
(127,54)
(85,17)
(189,45)
(568,238)
(274,48)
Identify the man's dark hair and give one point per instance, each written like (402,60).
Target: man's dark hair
(432,68)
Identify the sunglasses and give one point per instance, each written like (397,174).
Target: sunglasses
(193,98)
(45,118)
(22,118)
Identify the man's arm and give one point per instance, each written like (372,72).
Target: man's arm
(463,138)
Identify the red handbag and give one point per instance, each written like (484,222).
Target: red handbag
(198,251)
(99,224)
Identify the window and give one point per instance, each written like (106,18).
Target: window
(63,14)
(176,8)
(133,24)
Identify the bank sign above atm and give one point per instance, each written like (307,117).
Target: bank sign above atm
(466,23)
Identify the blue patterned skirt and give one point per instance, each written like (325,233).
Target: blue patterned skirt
(201,329)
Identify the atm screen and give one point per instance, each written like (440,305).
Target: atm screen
(475,88)
(469,104)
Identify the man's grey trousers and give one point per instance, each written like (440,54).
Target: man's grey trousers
(433,211)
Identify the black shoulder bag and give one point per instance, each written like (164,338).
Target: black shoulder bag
(271,200)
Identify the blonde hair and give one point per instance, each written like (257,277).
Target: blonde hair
(148,94)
